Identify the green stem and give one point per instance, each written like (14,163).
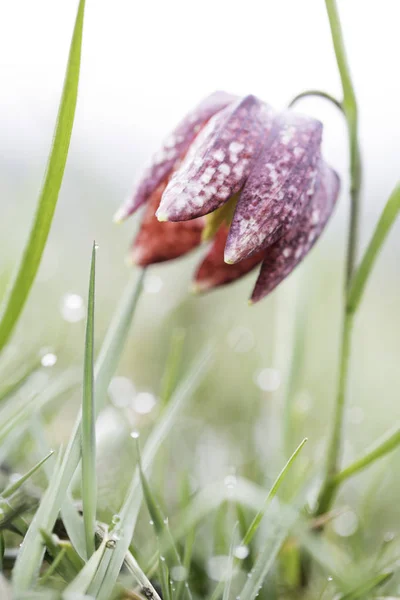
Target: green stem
(350,110)
(319,94)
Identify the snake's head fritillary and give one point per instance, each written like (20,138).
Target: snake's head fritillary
(249,179)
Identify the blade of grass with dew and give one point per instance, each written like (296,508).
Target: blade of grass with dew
(140,576)
(271,495)
(131,505)
(19,289)
(161,527)
(31,553)
(11,489)
(275,537)
(72,520)
(260,514)
(89,482)
(230,573)
(82,581)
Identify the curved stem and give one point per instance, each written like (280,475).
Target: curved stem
(319,94)
(350,111)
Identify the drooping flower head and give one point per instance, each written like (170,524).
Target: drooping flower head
(244,177)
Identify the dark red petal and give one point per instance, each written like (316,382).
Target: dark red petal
(285,254)
(218,162)
(280,184)
(214,271)
(158,242)
(173,150)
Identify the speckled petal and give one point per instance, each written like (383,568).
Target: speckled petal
(285,254)
(173,150)
(280,184)
(218,162)
(158,242)
(213,271)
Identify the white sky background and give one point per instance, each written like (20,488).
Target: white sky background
(146,62)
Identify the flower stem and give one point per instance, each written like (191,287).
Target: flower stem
(350,110)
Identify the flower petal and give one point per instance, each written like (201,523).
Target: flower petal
(173,150)
(158,242)
(280,184)
(285,254)
(213,271)
(219,161)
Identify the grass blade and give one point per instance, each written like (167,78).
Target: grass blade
(11,489)
(85,577)
(271,495)
(31,553)
(130,508)
(367,587)
(89,483)
(21,284)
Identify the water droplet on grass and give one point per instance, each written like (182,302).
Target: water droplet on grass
(143,403)
(346,524)
(179,573)
(135,434)
(268,380)
(49,359)
(72,308)
(241,552)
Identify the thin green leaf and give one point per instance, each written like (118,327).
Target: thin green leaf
(132,565)
(70,563)
(131,505)
(53,567)
(385,223)
(89,481)
(82,581)
(164,579)
(230,573)
(25,275)
(387,443)
(366,587)
(2,550)
(271,495)
(11,489)
(31,554)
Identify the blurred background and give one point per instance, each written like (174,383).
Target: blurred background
(143,66)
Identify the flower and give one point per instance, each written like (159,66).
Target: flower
(250,179)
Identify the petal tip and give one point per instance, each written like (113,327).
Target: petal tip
(120,215)
(162,217)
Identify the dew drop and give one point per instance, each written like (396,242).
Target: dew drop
(230,481)
(121,391)
(241,552)
(179,573)
(49,359)
(166,521)
(389,537)
(143,403)
(116,520)
(151,522)
(268,380)
(346,524)
(135,434)
(219,568)
(72,308)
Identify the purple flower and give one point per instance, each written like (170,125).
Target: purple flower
(251,177)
